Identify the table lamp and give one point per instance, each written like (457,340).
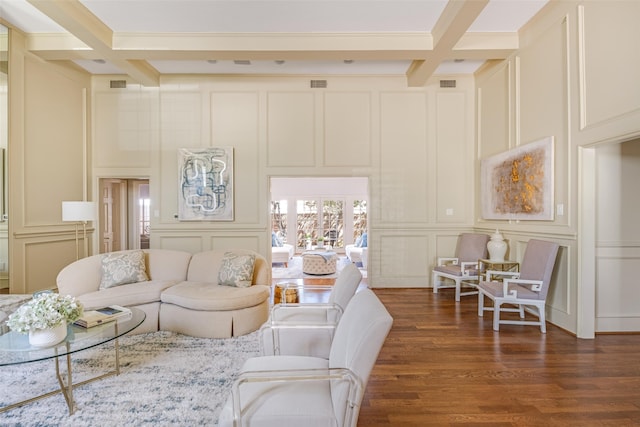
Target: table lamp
(79,212)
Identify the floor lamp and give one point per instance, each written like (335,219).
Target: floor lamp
(79,212)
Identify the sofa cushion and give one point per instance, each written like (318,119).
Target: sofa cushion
(204,267)
(131,294)
(121,268)
(208,296)
(236,270)
(275,241)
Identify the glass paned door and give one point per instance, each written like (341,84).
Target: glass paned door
(320,223)
(359,218)
(307,223)
(279,219)
(333,223)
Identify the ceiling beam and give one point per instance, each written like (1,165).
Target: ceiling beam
(185,46)
(86,27)
(455,20)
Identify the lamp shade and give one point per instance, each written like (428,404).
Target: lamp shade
(78,211)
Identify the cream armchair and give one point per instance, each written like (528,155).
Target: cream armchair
(305,328)
(463,267)
(294,391)
(529,287)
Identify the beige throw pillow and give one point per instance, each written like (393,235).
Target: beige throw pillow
(121,268)
(236,270)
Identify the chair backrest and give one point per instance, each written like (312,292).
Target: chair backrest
(345,286)
(358,339)
(472,247)
(538,262)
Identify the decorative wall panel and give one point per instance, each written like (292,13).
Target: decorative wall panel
(291,126)
(347,129)
(404,162)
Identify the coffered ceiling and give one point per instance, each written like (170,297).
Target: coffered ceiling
(149,38)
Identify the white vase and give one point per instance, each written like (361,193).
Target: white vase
(48,337)
(497,247)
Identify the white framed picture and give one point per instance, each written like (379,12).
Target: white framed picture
(205,184)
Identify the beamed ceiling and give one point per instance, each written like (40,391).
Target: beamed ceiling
(145,39)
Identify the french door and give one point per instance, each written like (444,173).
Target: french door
(320,221)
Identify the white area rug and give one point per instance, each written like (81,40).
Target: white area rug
(166,379)
(294,270)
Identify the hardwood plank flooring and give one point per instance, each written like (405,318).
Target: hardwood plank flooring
(442,365)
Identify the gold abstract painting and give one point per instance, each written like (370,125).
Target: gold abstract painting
(518,184)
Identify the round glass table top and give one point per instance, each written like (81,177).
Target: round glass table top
(15,347)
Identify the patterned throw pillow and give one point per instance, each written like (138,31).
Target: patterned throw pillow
(236,270)
(120,268)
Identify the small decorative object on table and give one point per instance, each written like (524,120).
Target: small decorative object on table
(45,318)
(290,293)
(497,247)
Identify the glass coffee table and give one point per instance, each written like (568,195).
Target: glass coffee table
(15,350)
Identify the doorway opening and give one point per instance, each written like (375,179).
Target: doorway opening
(331,210)
(318,213)
(125,218)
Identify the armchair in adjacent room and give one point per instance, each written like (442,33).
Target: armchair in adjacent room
(529,287)
(307,328)
(463,266)
(354,251)
(311,391)
(280,252)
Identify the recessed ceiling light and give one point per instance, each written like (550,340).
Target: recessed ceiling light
(99,61)
(212,61)
(279,61)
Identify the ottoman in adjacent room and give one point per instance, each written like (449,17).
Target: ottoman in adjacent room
(319,263)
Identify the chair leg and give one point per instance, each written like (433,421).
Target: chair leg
(434,282)
(458,290)
(521,310)
(496,315)
(543,321)
(480,304)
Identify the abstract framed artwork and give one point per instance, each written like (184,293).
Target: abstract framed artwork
(206,184)
(518,184)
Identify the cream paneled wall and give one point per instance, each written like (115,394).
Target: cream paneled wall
(347,129)
(560,84)
(291,130)
(46,165)
(618,237)
(412,144)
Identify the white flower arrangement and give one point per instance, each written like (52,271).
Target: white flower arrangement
(45,311)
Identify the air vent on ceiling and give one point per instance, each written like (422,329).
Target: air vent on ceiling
(242,62)
(447,83)
(318,84)
(118,84)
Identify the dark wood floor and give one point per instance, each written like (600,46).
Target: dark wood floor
(443,365)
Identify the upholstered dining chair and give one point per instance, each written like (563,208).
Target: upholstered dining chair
(463,267)
(293,391)
(528,287)
(307,328)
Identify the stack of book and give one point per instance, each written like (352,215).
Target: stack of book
(91,318)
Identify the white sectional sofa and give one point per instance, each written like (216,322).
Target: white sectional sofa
(180,293)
